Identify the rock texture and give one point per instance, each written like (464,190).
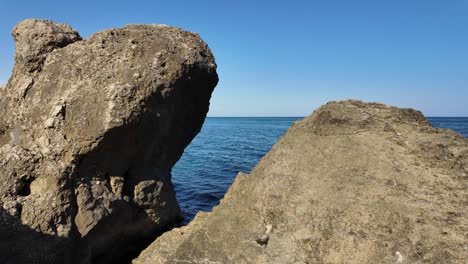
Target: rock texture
(89,132)
(353,183)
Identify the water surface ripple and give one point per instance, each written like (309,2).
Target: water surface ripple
(226,146)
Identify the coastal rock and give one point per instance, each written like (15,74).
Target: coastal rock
(89,132)
(352,183)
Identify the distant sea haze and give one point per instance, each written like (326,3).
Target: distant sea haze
(228,145)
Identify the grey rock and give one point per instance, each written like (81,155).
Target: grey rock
(352,183)
(89,132)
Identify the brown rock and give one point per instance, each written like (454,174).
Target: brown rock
(89,132)
(352,183)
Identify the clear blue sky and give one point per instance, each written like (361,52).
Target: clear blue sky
(286,58)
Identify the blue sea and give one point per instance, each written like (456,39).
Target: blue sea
(226,146)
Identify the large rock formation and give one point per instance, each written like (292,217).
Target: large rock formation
(352,183)
(89,132)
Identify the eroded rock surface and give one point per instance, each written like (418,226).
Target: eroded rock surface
(89,132)
(352,183)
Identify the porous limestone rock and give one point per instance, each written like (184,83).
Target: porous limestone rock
(352,183)
(89,132)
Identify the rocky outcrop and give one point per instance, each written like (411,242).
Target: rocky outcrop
(89,132)
(352,183)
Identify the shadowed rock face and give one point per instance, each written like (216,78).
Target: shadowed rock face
(89,132)
(352,183)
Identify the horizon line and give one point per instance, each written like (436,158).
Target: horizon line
(307,116)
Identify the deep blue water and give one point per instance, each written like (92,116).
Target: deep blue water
(226,146)
(459,124)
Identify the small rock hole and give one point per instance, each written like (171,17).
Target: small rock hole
(25,187)
(263,240)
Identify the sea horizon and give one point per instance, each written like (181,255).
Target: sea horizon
(306,116)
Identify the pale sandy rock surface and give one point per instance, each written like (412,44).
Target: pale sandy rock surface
(89,132)
(353,183)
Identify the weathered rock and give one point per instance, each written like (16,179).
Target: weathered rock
(89,132)
(352,183)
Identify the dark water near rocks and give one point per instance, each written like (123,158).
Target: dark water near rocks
(226,146)
(459,124)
